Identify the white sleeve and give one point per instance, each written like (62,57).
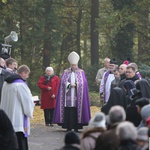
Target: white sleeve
(101,88)
(25,97)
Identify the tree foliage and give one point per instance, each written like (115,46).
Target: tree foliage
(49,30)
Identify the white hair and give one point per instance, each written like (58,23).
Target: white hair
(49,69)
(107,59)
(117,114)
(126,131)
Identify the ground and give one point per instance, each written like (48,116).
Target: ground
(48,138)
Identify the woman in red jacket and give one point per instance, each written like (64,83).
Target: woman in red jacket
(49,86)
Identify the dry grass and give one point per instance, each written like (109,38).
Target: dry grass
(39,117)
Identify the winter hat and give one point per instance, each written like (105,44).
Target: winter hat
(98,120)
(145,112)
(72,138)
(142,134)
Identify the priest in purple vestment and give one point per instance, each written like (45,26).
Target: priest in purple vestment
(72,104)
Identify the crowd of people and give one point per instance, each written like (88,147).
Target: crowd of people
(16,105)
(111,132)
(122,123)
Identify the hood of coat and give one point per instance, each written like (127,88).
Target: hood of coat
(11,78)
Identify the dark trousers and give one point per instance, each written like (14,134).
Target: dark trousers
(48,115)
(22,141)
(71,120)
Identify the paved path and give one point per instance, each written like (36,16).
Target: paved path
(46,138)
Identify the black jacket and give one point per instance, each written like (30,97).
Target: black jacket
(8,139)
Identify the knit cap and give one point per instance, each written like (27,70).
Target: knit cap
(98,120)
(145,112)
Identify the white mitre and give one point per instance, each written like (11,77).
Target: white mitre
(73,58)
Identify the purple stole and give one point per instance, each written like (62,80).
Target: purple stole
(105,80)
(25,117)
(139,75)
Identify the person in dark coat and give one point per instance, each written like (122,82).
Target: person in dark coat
(140,103)
(8,138)
(122,72)
(144,87)
(142,90)
(3,73)
(115,82)
(49,85)
(72,141)
(117,97)
(132,95)
(109,139)
(130,75)
(127,134)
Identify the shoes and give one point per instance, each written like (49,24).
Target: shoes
(51,125)
(47,125)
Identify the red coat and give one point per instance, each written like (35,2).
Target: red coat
(47,102)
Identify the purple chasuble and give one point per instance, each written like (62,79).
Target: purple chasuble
(25,117)
(82,97)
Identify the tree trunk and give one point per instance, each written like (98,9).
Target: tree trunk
(94,32)
(78,34)
(47,39)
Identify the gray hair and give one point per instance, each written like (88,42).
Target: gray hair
(116,114)
(126,131)
(107,59)
(49,69)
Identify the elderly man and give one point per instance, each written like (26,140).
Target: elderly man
(101,71)
(72,103)
(108,77)
(122,72)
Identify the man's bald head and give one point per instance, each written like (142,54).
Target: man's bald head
(122,68)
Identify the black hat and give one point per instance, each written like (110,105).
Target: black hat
(135,93)
(142,101)
(113,61)
(72,138)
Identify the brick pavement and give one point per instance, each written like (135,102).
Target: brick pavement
(46,138)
